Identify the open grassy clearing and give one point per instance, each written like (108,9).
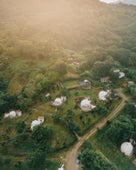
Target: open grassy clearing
(112,152)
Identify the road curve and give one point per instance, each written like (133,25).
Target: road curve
(70,160)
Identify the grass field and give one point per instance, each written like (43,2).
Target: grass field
(111,151)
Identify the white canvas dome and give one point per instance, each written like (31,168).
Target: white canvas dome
(102,95)
(116,71)
(121,75)
(57,101)
(13,114)
(127,148)
(62,167)
(85,103)
(86,81)
(35,123)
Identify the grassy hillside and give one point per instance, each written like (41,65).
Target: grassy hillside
(47,47)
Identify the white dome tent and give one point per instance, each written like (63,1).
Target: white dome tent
(103,95)
(120,73)
(13,114)
(59,101)
(37,122)
(86,81)
(62,167)
(86,105)
(127,148)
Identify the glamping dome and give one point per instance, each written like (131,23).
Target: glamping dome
(86,105)
(37,122)
(86,81)
(62,167)
(13,114)
(102,95)
(121,75)
(127,148)
(57,102)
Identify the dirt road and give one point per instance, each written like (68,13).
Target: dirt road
(70,160)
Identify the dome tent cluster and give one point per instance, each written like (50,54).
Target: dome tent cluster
(13,114)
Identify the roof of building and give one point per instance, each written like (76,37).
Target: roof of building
(127,148)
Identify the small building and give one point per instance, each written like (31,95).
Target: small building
(86,105)
(131,83)
(70,59)
(127,148)
(115,96)
(104,79)
(41,119)
(18,112)
(86,84)
(76,63)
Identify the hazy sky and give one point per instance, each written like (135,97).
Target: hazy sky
(123,1)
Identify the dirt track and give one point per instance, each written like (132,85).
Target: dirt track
(70,160)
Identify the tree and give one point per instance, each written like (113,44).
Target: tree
(41,137)
(121,129)
(20,126)
(3,84)
(130,109)
(36,160)
(61,68)
(93,160)
(102,68)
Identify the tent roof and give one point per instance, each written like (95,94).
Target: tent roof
(127,148)
(62,167)
(102,95)
(85,103)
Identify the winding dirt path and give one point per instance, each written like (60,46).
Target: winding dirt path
(70,160)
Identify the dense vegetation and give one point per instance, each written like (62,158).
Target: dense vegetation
(39,46)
